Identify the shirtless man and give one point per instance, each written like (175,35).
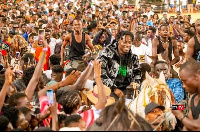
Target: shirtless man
(193,49)
(190,76)
(164,45)
(77,41)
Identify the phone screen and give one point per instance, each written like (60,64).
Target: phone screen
(41,35)
(35,38)
(17,55)
(50,96)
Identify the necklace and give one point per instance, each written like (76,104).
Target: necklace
(164,42)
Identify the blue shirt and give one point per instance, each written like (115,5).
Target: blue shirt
(175,85)
(25,35)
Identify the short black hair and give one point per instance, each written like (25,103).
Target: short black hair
(153,29)
(69,71)
(12,114)
(13,100)
(54,59)
(40,21)
(192,66)
(32,34)
(138,35)
(77,18)
(43,129)
(25,110)
(28,56)
(160,62)
(3,123)
(72,119)
(116,7)
(145,67)
(163,25)
(61,118)
(50,10)
(190,33)
(145,16)
(47,30)
(57,69)
(27,74)
(123,33)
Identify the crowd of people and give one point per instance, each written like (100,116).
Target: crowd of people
(76,65)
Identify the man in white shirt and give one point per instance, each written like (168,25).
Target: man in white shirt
(140,49)
(52,43)
(148,11)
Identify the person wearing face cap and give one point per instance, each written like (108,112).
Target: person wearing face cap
(153,111)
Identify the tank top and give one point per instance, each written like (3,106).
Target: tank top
(77,50)
(160,48)
(195,110)
(196,54)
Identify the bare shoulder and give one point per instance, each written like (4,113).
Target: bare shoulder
(189,101)
(155,41)
(68,37)
(191,42)
(87,37)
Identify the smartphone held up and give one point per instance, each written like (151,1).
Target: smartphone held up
(50,98)
(41,36)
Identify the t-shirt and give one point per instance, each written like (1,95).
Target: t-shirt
(52,45)
(142,51)
(90,115)
(38,54)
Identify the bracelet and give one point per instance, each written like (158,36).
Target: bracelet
(44,49)
(182,118)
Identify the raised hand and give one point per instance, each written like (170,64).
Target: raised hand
(45,43)
(72,78)
(9,74)
(53,107)
(97,68)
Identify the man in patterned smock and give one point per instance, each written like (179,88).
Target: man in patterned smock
(120,67)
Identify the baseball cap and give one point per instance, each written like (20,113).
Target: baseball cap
(151,106)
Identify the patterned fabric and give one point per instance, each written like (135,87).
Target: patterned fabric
(90,115)
(177,89)
(110,65)
(43,108)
